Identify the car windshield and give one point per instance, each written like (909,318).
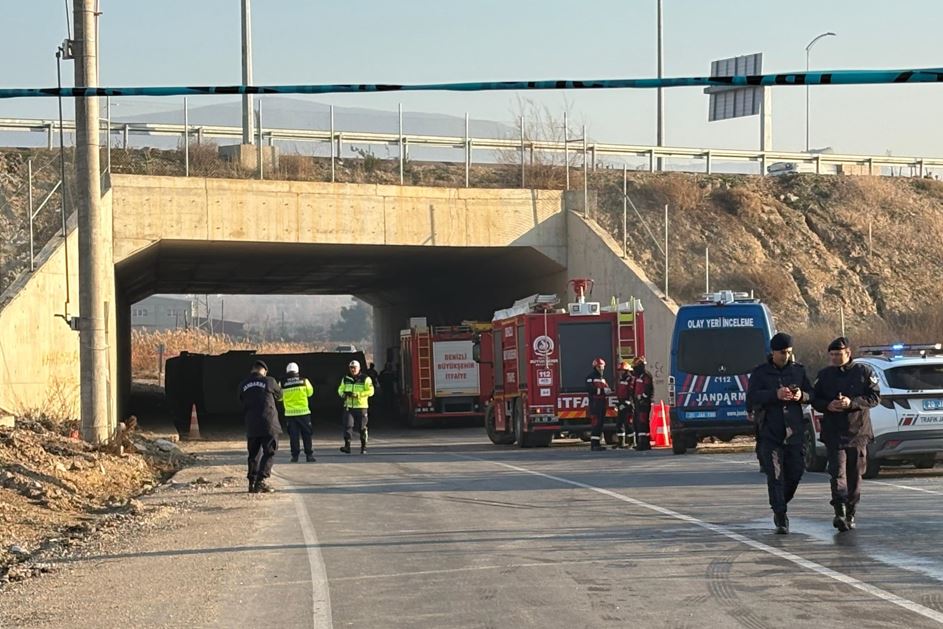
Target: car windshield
(916,377)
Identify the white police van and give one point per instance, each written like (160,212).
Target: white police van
(908,423)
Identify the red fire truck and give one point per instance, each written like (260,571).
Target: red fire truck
(439,378)
(542,355)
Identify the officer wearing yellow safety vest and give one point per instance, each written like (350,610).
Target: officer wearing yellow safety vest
(296,391)
(356,389)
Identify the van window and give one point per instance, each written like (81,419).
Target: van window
(720,351)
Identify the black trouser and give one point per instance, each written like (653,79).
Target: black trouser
(783,465)
(597,414)
(642,438)
(261,453)
(845,468)
(355,419)
(624,418)
(299,426)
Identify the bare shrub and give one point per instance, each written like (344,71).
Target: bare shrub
(60,404)
(678,190)
(297,167)
(738,202)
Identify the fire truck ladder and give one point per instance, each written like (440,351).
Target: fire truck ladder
(424,347)
(627,335)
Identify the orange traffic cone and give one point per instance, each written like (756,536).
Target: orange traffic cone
(194,425)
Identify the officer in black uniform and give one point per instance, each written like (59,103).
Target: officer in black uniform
(259,394)
(845,392)
(778,388)
(598,390)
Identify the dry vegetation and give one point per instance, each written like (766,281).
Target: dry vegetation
(144,348)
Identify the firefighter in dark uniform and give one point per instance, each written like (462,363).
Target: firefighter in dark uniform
(355,388)
(778,388)
(259,395)
(598,390)
(625,387)
(845,392)
(642,401)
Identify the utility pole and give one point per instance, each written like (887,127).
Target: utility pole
(95,238)
(248,126)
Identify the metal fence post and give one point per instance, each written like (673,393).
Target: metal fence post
(186,138)
(261,168)
(708,158)
(522,151)
(651,160)
(29,183)
(127,132)
(468,150)
(331,142)
(401,151)
(625,211)
(566,152)
(586,211)
(108,135)
(49,135)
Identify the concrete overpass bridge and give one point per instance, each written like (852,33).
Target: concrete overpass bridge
(445,253)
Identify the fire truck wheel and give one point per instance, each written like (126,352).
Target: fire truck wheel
(497,438)
(679,445)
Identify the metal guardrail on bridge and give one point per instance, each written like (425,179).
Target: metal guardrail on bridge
(593,152)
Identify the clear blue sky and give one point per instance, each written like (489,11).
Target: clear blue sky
(180,42)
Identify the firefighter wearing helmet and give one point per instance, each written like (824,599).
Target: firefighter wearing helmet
(598,390)
(644,389)
(625,388)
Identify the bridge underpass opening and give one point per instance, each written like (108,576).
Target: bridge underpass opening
(444,284)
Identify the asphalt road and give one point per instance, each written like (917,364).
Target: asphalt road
(439,528)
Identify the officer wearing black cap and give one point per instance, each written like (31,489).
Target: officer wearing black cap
(259,394)
(845,392)
(775,395)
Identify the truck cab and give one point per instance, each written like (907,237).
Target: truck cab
(715,345)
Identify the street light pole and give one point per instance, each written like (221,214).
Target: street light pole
(248,132)
(660,133)
(808,50)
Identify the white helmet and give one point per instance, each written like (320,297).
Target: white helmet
(291,368)
(354,363)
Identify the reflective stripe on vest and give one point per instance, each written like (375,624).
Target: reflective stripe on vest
(296,392)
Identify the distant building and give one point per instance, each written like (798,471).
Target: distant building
(162,313)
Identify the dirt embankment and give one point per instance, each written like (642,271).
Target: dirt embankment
(56,490)
(801,243)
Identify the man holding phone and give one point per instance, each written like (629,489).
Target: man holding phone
(845,392)
(778,388)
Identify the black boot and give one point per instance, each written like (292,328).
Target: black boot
(294,458)
(596,446)
(252,489)
(310,458)
(620,445)
(839,520)
(850,517)
(363,441)
(781,522)
(262,487)
(346,447)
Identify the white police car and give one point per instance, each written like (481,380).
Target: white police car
(908,423)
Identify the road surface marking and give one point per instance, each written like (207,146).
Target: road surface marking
(422,573)
(802,562)
(320,594)
(926,491)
